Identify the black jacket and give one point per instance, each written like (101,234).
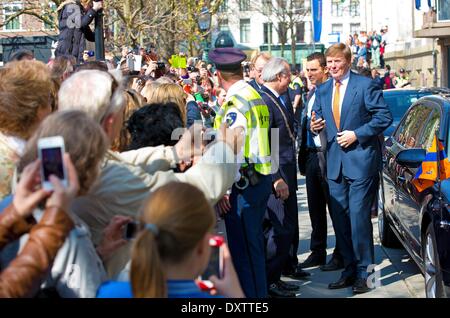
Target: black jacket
(74,29)
(286,146)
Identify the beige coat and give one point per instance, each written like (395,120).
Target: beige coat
(128,178)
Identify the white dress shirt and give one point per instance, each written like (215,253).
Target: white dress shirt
(342,90)
(315,137)
(273,91)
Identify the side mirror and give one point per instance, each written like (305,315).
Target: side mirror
(411,158)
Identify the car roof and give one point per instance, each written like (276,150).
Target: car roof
(433,90)
(442,99)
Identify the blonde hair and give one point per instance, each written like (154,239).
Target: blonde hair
(165,93)
(147,90)
(25,88)
(134,101)
(181,225)
(256,55)
(339,49)
(84,140)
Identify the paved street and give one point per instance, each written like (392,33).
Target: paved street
(399,276)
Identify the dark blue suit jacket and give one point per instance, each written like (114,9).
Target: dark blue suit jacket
(255,85)
(287,152)
(365,112)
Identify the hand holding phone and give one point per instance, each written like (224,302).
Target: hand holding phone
(130,230)
(215,265)
(317,124)
(228,285)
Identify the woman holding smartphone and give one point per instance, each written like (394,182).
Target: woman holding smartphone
(172,250)
(25,273)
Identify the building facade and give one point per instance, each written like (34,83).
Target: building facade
(433,25)
(24,32)
(416,40)
(257,24)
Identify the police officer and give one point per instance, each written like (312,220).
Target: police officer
(295,91)
(245,208)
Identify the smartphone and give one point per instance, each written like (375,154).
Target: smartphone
(187,81)
(215,265)
(50,152)
(134,63)
(130,230)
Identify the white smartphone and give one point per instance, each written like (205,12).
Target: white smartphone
(51,151)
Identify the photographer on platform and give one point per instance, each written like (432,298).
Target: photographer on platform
(74,17)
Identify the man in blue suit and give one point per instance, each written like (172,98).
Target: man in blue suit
(282,209)
(354,111)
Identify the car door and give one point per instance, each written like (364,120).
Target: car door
(403,138)
(399,141)
(408,199)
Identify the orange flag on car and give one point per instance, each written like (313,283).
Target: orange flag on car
(427,174)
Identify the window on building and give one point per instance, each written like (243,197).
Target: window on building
(282,33)
(223,7)
(336,8)
(244,5)
(223,25)
(337,28)
(300,32)
(355,28)
(354,8)
(298,5)
(443,10)
(8,11)
(245,30)
(268,33)
(267,7)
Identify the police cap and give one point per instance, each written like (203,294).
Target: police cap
(227,59)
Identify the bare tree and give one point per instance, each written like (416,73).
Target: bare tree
(168,24)
(285,16)
(44,10)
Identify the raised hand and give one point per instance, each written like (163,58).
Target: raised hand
(317,124)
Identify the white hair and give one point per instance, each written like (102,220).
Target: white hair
(91,92)
(273,68)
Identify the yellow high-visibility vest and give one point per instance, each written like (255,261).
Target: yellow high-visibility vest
(255,110)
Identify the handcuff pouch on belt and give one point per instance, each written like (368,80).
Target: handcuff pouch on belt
(249,176)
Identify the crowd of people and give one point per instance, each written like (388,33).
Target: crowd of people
(368,59)
(176,151)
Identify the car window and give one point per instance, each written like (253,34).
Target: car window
(429,130)
(400,102)
(412,125)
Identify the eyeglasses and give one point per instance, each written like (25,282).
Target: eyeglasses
(114,86)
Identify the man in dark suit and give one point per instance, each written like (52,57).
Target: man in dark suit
(312,164)
(282,209)
(355,113)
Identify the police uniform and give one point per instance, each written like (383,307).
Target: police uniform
(245,108)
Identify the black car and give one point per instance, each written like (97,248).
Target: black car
(420,221)
(400,99)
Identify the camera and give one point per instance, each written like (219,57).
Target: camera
(192,69)
(160,65)
(89,53)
